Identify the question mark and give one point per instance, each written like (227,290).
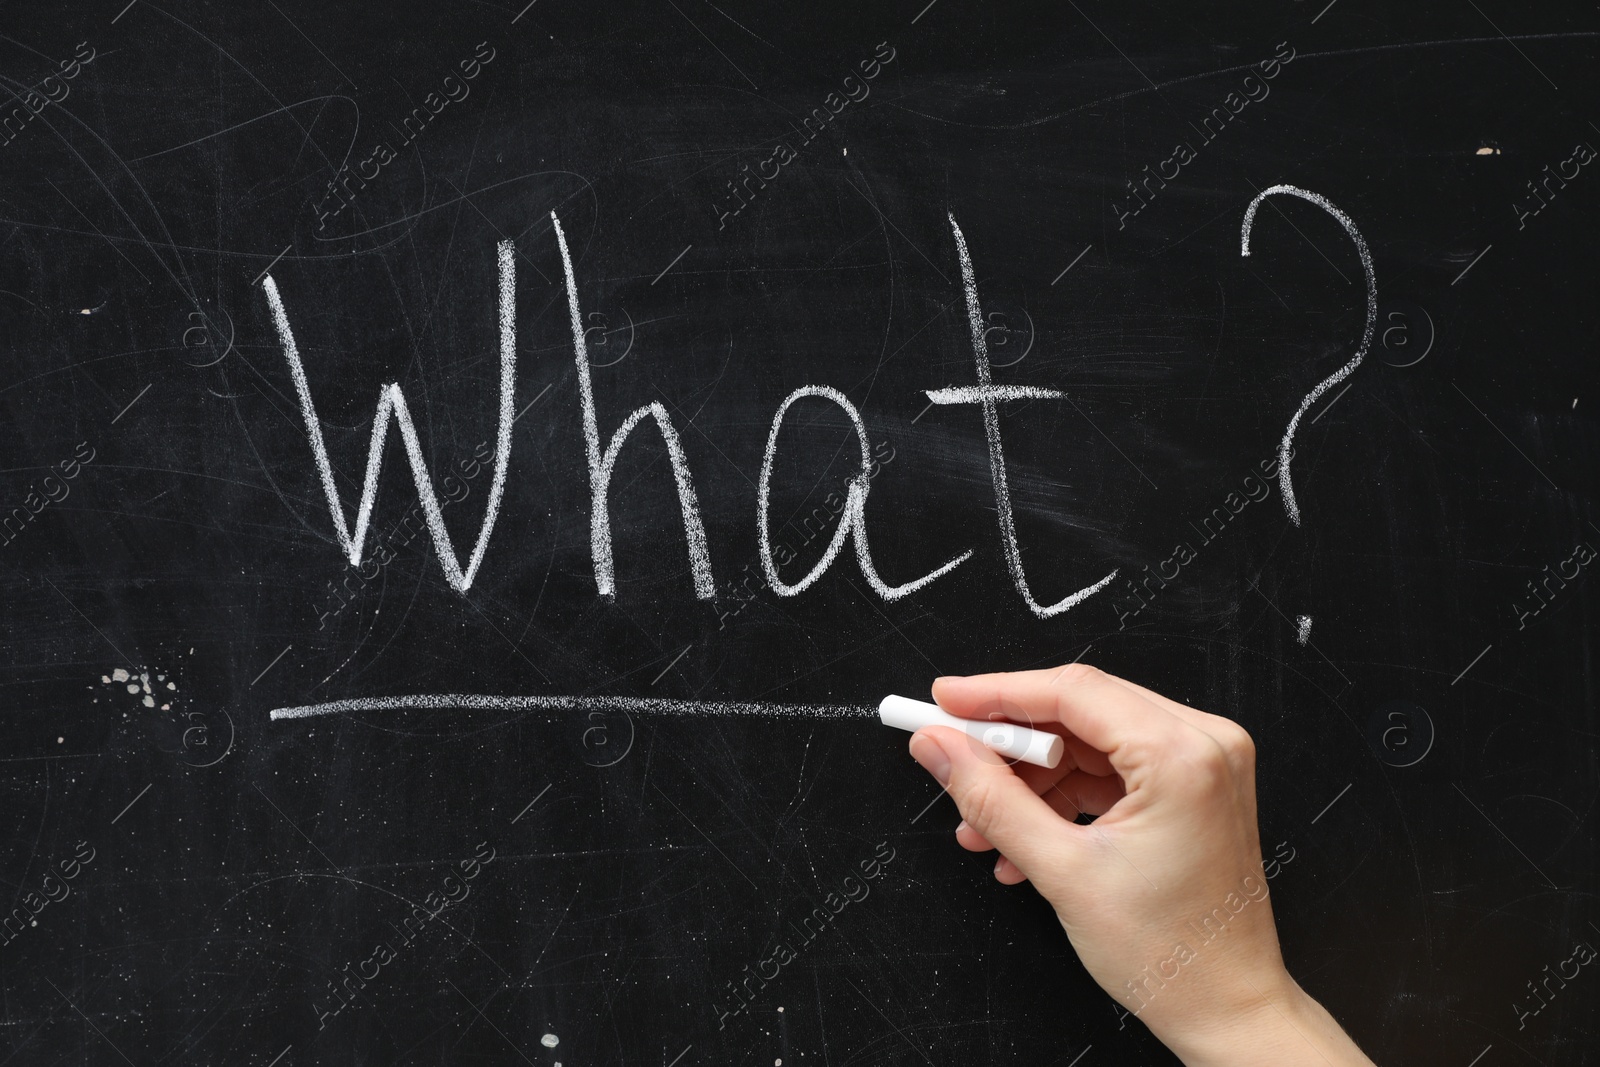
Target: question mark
(1286,446)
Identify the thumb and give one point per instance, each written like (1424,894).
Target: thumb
(992,799)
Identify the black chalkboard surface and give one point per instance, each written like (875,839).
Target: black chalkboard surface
(549,790)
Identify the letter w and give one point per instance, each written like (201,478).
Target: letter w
(392,402)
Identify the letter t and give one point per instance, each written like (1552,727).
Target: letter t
(987,394)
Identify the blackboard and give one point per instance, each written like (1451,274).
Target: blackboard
(758,199)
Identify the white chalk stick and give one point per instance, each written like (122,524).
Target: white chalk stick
(1007,738)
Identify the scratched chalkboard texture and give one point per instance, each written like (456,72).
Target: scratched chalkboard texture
(236,235)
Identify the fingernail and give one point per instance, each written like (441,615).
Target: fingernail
(929,753)
(960,826)
(1001,862)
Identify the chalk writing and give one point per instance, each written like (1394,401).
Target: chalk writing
(1286,448)
(402,533)
(987,395)
(832,505)
(638,705)
(392,402)
(854,523)
(602,462)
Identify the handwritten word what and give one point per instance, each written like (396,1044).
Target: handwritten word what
(602,459)
(602,455)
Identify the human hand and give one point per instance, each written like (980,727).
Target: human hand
(1163,895)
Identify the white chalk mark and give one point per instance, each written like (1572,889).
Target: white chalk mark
(392,402)
(1080,1056)
(924,11)
(1324,11)
(524,11)
(1473,664)
(853,520)
(923,412)
(1331,803)
(1329,405)
(976,394)
(671,665)
(1474,262)
(130,404)
(1480,1056)
(271,665)
(124,11)
(280,1055)
(601,465)
(1302,629)
(274,262)
(997,458)
(637,705)
(531,803)
(1285,483)
(680,1056)
(1074,263)
(131,803)
(1256,589)
(669,266)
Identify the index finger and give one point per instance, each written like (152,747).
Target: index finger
(1088,702)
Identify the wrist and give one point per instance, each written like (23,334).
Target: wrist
(1273,1024)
